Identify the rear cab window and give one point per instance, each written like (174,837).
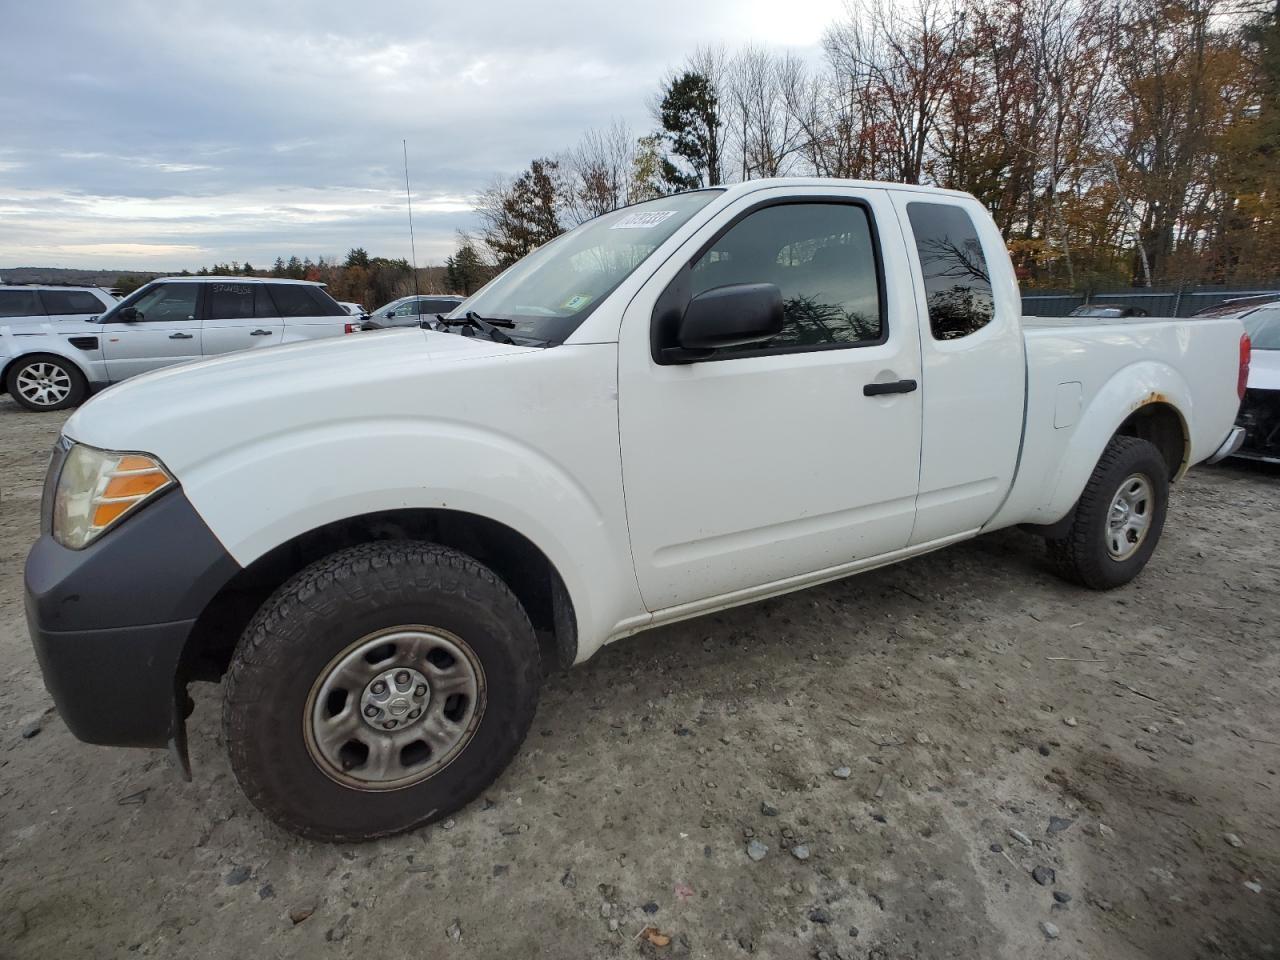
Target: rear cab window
(957,282)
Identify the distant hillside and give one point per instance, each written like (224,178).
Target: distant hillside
(71,275)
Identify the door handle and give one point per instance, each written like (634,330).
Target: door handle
(260,333)
(180,336)
(893,386)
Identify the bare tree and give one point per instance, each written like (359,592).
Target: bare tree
(598,177)
(897,61)
(764,133)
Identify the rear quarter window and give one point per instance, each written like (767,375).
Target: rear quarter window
(302,300)
(957,283)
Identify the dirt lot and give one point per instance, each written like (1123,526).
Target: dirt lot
(971,697)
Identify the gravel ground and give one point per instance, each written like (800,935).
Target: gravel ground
(959,756)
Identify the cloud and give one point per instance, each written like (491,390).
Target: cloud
(246,130)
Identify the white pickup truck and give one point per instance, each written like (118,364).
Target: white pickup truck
(381,542)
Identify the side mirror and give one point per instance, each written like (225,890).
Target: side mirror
(732,316)
(389,314)
(129,315)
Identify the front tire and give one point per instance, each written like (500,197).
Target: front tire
(43,382)
(1118,519)
(379,689)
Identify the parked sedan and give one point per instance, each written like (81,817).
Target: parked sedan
(410,311)
(1260,408)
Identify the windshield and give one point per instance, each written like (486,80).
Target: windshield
(1264,328)
(550,292)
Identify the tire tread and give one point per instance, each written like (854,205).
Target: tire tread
(1071,556)
(344,571)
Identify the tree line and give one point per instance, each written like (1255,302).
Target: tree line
(1116,141)
(359,278)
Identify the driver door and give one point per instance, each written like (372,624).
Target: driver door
(755,466)
(164,332)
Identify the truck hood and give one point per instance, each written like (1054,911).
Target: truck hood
(276,385)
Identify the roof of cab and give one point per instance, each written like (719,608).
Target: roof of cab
(749,186)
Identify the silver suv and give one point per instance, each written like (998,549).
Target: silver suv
(51,366)
(22,305)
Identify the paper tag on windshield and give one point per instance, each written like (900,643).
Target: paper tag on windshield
(641,221)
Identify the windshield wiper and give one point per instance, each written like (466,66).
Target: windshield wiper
(472,319)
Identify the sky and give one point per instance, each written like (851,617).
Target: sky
(171,135)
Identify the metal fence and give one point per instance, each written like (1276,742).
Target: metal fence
(1174,302)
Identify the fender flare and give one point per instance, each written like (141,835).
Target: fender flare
(1127,391)
(415,463)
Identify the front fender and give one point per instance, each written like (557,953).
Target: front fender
(15,346)
(1129,389)
(280,486)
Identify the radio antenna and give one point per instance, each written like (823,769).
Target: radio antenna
(413,251)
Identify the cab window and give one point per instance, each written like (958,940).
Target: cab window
(957,283)
(167,302)
(823,258)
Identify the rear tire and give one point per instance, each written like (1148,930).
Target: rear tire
(1118,519)
(395,634)
(43,382)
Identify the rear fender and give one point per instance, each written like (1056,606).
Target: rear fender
(1128,390)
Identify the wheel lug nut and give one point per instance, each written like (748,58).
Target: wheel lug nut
(420,690)
(389,725)
(402,678)
(371,711)
(413,714)
(379,687)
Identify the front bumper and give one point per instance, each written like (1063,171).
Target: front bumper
(110,623)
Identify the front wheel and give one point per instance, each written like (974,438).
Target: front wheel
(43,382)
(1118,520)
(379,689)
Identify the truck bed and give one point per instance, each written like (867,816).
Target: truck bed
(1071,364)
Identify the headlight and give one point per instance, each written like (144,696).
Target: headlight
(97,488)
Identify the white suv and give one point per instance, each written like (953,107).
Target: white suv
(23,305)
(51,366)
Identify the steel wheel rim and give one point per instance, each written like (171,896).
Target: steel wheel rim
(395,747)
(43,384)
(1129,518)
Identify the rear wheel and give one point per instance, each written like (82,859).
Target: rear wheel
(1119,518)
(44,382)
(379,689)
